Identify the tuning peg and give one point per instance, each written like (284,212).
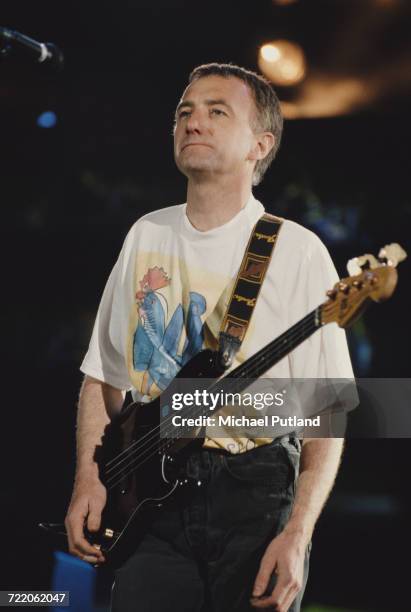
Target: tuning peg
(343,287)
(393,253)
(364,262)
(353,267)
(332,293)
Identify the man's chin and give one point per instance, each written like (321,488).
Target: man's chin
(194,168)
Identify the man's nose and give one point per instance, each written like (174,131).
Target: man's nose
(195,122)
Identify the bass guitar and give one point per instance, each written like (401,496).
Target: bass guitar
(140,468)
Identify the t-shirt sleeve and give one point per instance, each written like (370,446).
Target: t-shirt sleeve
(325,354)
(105,359)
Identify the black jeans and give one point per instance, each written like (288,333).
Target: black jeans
(203,552)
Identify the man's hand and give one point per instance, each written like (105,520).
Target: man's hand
(97,401)
(320,458)
(87,503)
(285,557)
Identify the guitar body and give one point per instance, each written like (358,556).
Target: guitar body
(141,470)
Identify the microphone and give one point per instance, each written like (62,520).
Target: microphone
(43,52)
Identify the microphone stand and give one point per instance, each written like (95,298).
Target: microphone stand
(49,53)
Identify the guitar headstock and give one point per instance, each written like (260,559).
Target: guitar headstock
(371,278)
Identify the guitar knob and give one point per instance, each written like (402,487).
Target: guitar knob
(108,533)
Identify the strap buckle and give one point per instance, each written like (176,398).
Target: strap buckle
(228,347)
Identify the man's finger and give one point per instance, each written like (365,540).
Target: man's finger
(75,519)
(264,602)
(263,576)
(291,595)
(83,547)
(282,596)
(94,518)
(281,588)
(78,545)
(91,559)
(287,597)
(278,595)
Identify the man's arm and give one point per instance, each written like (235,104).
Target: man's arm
(320,459)
(98,401)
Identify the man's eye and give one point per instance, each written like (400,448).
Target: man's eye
(183,113)
(217,111)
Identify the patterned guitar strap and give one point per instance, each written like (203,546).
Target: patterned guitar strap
(247,287)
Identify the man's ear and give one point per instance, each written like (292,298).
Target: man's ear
(263,145)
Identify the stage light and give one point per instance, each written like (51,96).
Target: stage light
(270,53)
(282,62)
(48,119)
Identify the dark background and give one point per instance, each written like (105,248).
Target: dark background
(70,193)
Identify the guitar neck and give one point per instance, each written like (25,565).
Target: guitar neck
(254,367)
(273,352)
(257,365)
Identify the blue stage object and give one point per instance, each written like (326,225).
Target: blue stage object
(77,577)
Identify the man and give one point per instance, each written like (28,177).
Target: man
(241,542)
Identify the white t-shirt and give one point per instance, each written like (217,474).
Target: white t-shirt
(169,278)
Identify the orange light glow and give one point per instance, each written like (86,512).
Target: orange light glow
(323,96)
(282,62)
(284,2)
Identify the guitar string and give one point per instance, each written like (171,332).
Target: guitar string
(272,346)
(138,460)
(297,328)
(135,456)
(269,348)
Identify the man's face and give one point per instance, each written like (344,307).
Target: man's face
(213,132)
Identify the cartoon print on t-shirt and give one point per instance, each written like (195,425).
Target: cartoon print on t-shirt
(155,345)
